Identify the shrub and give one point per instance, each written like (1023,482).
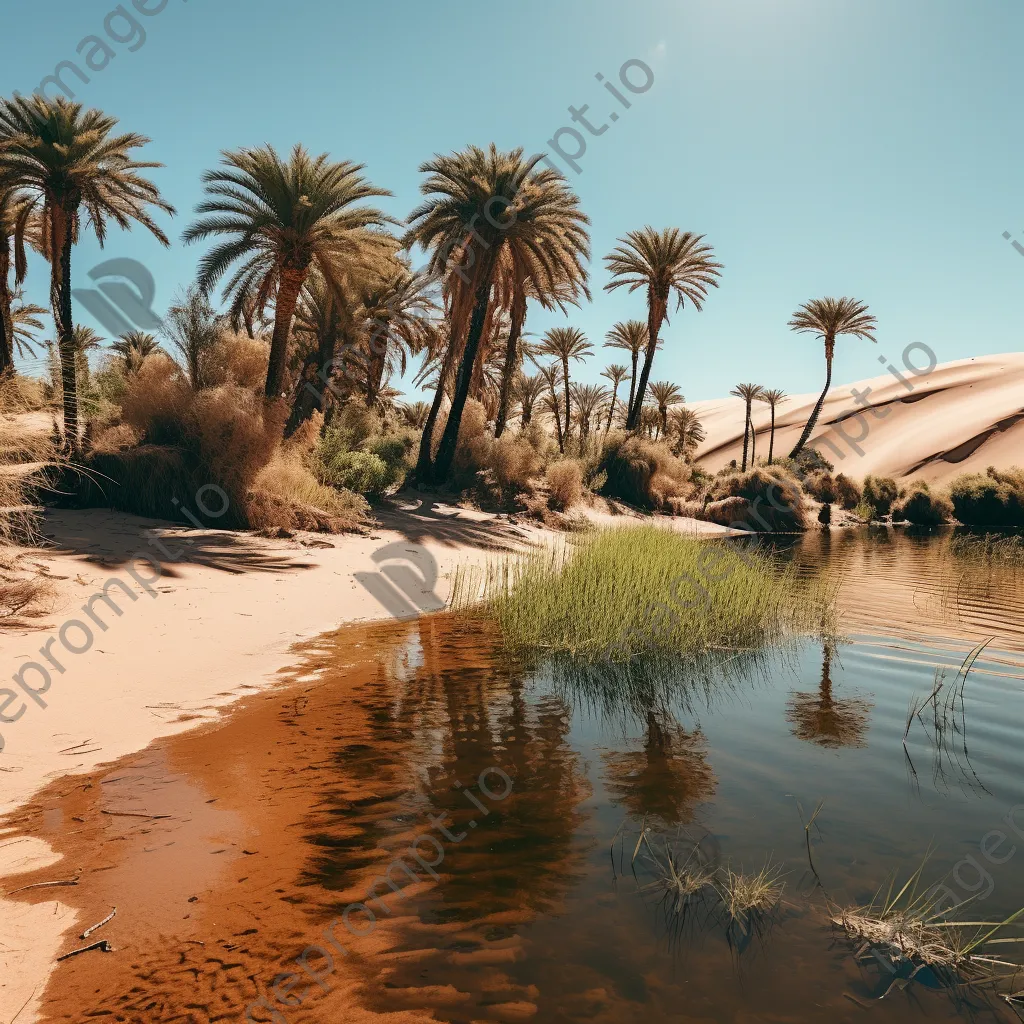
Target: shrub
(821,486)
(359,471)
(810,460)
(287,495)
(848,492)
(235,359)
(775,500)
(115,439)
(565,484)
(866,511)
(642,472)
(512,463)
(881,492)
(919,506)
(993,499)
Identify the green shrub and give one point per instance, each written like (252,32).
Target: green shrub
(359,471)
(918,505)
(993,499)
(775,500)
(866,511)
(881,492)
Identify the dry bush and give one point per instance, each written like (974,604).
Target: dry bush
(565,485)
(774,499)
(23,593)
(20,394)
(513,463)
(156,401)
(286,495)
(236,359)
(880,492)
(642,472)
(918,505)
(115,439)
(993,498)
(848,492)
(821,486)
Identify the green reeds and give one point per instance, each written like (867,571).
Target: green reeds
(999,549)
(626,592)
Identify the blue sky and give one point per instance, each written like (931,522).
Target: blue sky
(858,147)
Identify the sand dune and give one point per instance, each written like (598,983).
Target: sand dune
(959,418)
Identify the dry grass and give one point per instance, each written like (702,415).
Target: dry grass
(565,484)
(744,896)
(24,592)
(642,472)
(236,359)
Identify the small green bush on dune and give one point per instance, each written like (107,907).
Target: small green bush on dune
(625,592)
(920,506)
(880,492)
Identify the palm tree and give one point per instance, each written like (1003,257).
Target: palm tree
(526,390)
(192,328)
(68,162)
(283,219)
(687,429)
(665,394)
(83,341)
(480,205)
(551,375)
(649,421)
(415,413)
(774,397)
(12,202)
(589,398)
(133,347)
(828,318)
(748,392)
(616,374)
(665,263)
(630,336)
(565,343)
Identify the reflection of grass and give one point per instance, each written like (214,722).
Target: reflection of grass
(911,933)
(627,592)
(989,547)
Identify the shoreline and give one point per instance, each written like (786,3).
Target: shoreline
(243,602)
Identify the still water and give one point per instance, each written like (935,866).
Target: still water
(536,912)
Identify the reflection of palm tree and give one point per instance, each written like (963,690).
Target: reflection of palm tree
(826,720)
(668,777)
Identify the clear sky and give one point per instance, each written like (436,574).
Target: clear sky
(825,147)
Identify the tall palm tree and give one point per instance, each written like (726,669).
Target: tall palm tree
(192,327)
(774,397)
(589,398)
(563,344)
(666,263)
(630,336)
(283,219)
(665,394)
(480,205)
(688,432)
(68,162)
(748,392)
(616,374)
(133,347)
(527,390)
(829,318)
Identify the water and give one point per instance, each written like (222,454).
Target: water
(536,913)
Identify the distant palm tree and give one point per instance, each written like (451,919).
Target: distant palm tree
(649,422)
(773,397)
(193,328)
(665,394)
(828,318)
(68,162)
(665,263)
(616,374)
(483,207)
(748,392)
(629,336)
(551,375)
(565,343)
(283,219)
(687,429)
(83,340)
(415,413)
(589,398)
(133,347)
(12,245)
(24,322)
(526,390)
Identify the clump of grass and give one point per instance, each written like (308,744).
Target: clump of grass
(625,592)
(746,896)
(683,879)
(910,932)
(989,547)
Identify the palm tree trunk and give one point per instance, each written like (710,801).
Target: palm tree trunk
(61,235)
(284,312)
(568,412)
(656,314)
(374,377)
(309,396)
(771,437)
(464,378)
(511,365)
(753,438)
(809,429)
(632,384)
(746,435)
(6,323)
(611,409)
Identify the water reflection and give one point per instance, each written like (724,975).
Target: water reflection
(822,718)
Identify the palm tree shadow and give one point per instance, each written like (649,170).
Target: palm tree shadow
(113,540)
(824,719)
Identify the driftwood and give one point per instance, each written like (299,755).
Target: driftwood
(102,944)
(44,885)
(134,814)
(89,931)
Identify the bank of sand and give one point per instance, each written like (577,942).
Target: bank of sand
(220,623)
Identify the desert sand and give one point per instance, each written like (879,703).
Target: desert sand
(958,418)
(218,624)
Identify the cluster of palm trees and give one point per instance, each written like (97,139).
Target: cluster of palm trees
(307,260)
